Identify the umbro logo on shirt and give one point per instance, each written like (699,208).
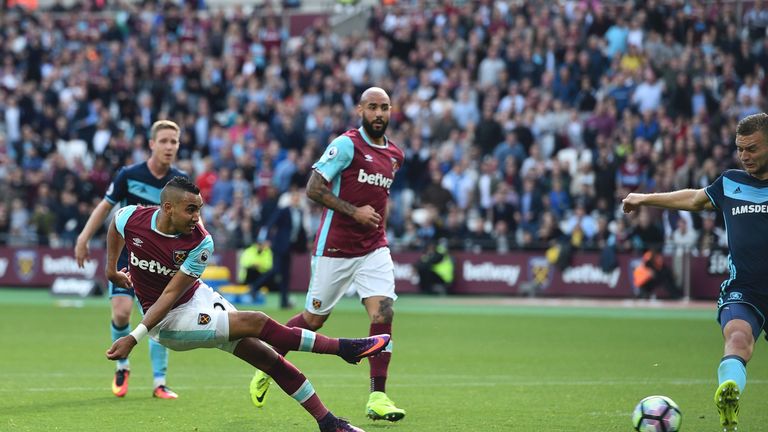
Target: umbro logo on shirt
(368,158)
(137,242)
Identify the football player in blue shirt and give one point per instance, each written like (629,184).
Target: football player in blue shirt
(742,197)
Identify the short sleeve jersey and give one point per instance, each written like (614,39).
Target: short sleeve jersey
(156,257)
(361,173)
(135,184)
(743,200)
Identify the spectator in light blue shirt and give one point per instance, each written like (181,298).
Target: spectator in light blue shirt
(616,38)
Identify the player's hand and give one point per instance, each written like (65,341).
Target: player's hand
(367,216)
(121,278)
(121,348)
(631,202)
(81,253)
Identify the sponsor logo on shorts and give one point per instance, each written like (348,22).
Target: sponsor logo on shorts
(317,303)
(179,256)
(735,296)
(203,319)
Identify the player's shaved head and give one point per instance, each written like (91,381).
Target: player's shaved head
(371,92)
(374,110)
(175,189)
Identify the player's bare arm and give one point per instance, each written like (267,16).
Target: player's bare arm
(178,285)
(685,199)
(91,226)
(319,192)
(115,243)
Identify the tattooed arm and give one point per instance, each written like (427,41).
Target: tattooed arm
(319,192)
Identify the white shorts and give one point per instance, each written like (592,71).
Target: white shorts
(372,275)
(202,322)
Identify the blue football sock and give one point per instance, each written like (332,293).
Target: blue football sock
(158,354)
(117,333)
(734,368)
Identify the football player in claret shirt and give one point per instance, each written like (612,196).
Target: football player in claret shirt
(352,180)
(168,250)
(742,197)
(135,184)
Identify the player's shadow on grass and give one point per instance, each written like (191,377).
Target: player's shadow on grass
(378,425)
(91,403)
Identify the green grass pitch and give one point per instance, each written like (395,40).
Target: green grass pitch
(458,366)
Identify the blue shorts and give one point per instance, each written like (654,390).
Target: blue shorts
(744,304)
(114,290)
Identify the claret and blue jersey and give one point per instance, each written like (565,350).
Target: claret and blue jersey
(361,173)
(743,200)
(136,185)
(155,257)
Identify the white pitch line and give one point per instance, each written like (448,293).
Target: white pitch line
(471,384)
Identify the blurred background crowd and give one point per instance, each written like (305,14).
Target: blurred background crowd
(523,123)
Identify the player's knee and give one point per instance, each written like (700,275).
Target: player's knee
(121,317)
(121,310)
(257,318)
(315,321)
(740,340)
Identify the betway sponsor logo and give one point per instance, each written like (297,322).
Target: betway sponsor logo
(749,208)
(374,179)
(152,266)
(490,272)
(3,266)
(588,273)
(66,265)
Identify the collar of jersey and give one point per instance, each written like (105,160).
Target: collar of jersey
(154,226)
(371,143)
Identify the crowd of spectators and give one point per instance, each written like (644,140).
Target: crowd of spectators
(523,123)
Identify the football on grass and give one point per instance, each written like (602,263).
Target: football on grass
(657,414)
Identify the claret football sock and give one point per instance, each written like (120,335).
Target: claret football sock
(293,382)
(380,362)
(297,339)
(296,321)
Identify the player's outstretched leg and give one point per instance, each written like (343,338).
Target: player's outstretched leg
(727,402)
(351,350)
(381,407)
(292,382)
(259,387)
(298,339)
